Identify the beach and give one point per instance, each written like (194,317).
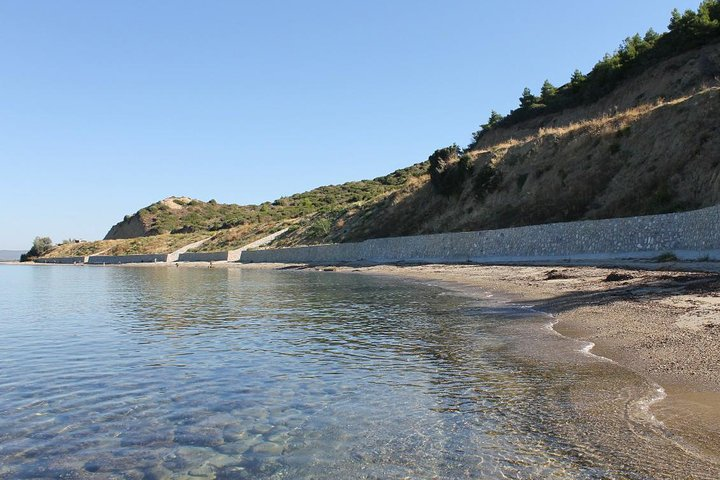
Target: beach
(662,325)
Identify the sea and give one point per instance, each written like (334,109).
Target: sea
(232,373)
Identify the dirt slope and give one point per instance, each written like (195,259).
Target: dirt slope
(656,157)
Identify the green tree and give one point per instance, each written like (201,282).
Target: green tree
(494,119)
(713,9)
(576,80)
(675,20)
(442,174)
(651,36)
(527,99)
(40,246)
(631,48)
(547,92)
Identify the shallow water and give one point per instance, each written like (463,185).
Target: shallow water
(223,373)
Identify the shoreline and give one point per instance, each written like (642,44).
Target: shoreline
(663,326)
(671,318)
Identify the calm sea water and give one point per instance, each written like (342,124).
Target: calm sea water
(153,373)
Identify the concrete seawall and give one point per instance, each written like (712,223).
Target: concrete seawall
(175,256)
(689,235)
(62,260)
(120,259)
(203,257)
(234,255)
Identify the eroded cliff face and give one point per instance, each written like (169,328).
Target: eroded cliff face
(653,159)
(131,227)
(676,77)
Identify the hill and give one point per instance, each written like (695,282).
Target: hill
(228,226)
(655,158)
(636,135)
(185,215)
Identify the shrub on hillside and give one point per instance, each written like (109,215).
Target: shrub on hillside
(447,172)
(487,180)
(40,246)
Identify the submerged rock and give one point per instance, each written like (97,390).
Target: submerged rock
(233,433)
(199,436)
(268,448)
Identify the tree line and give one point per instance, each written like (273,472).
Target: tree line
(686,31)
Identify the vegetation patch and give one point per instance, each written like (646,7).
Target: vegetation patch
(686,31)
(666,257)
(617,277)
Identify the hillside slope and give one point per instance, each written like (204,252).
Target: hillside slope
(649,159)
(675,77)
(165,243)
(177,221)
(650,144)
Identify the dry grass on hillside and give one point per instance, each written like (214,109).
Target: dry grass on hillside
(595,125)
(654,158)
(80,249)
(237,237)
(155,244)
(685,74)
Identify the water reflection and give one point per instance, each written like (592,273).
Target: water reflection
(216,373)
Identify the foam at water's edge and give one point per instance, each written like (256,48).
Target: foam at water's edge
(587,346)
(642,405)
(640,409)
(658,394)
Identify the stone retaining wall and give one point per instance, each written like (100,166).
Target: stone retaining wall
(689,235)
(203,257)
(234,255)
(63,260)
(119,259)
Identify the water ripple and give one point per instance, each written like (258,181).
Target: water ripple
(191,373)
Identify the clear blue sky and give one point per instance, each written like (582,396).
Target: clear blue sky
(108,106)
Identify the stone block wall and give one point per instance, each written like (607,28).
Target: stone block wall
(203,257)
(119,259)
(62,260)
(688,235)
